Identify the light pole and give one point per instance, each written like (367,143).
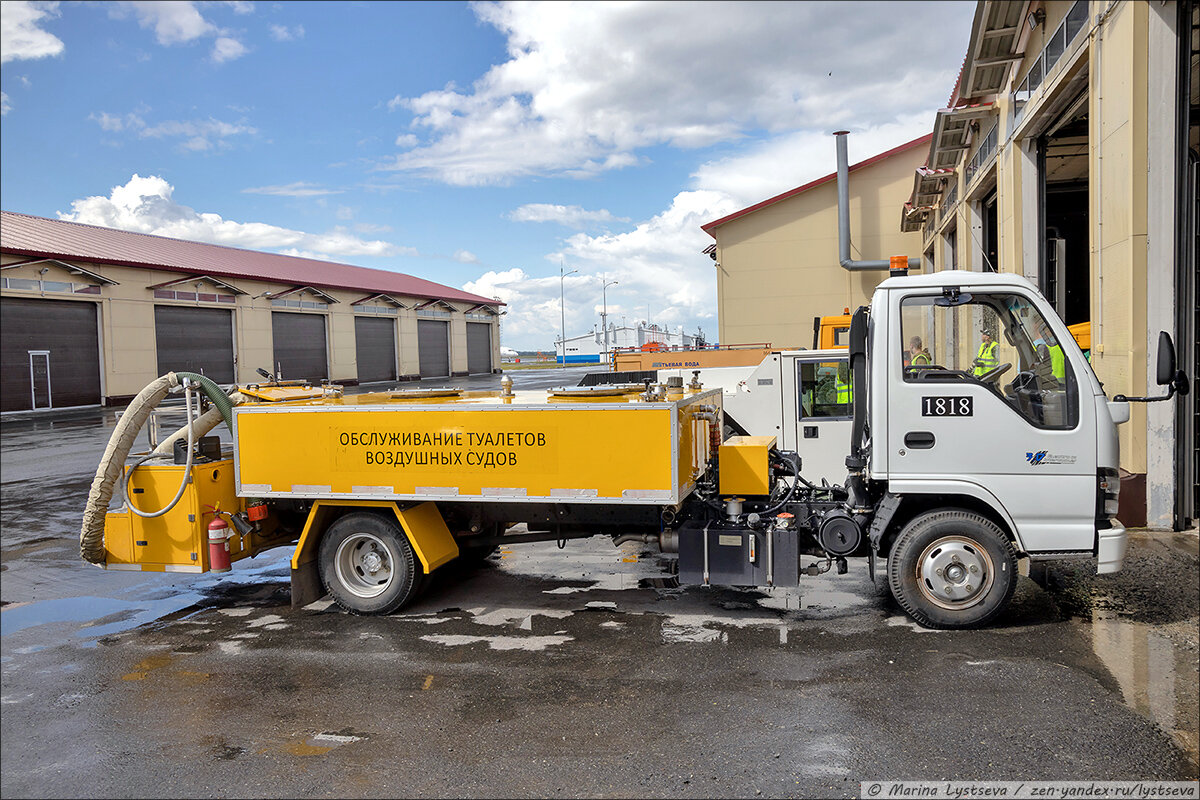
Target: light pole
(562,309)
(604,316)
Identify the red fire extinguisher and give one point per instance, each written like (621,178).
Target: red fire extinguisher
(218,545)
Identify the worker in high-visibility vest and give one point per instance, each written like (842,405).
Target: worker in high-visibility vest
(986,359)
(1048,348)
(918,356)
(845,393)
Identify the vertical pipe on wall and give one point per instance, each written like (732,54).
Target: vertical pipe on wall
(843,195)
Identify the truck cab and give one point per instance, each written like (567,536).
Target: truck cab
(1004,413)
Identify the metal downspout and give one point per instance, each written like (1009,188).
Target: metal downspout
(843,194)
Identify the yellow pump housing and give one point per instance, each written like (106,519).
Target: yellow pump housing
(744,466)
(178,540)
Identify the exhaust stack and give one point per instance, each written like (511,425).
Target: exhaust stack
(843,193)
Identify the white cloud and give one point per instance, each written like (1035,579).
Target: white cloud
(180,21)
(297,189)
(282,33)
(793,159)
(533,311)
(570,216)
(226,48)
(196,135)
(21,35)
(147,205)
(5,107)
(465,257)
(406,140)
(172,22)
(585,86)
(658,264)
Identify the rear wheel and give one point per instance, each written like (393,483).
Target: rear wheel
(368,565)
(952,569)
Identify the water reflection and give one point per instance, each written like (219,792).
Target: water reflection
(1152,671)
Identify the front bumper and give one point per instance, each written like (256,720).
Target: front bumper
(1110,548)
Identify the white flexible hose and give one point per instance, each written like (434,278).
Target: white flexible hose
(91,533)
(187,470)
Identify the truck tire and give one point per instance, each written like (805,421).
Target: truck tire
(952,569)
(368,565)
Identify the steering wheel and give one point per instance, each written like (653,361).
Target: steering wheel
(994,373)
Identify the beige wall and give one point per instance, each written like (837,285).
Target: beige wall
(1118,222)
(778,266)
(129,360)
(1114,58)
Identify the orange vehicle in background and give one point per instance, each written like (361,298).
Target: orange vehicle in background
(829,333)
(639,359)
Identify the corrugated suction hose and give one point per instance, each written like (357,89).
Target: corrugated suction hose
(91,534)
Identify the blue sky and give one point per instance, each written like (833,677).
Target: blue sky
(477,145)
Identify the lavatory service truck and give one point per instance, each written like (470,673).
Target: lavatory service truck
(952,470)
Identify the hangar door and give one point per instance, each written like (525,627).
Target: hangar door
(195,340)
(375,348)
(49,354)
(299,344)
(433,342)
(479,348)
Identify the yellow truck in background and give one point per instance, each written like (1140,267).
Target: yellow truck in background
(832,333)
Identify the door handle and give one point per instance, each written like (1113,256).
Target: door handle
(919,440)
(811,432)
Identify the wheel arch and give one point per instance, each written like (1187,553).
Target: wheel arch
(913,504)
(422,524)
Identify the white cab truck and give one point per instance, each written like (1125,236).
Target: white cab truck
(970,429)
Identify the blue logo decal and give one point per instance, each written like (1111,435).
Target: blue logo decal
(1035,458)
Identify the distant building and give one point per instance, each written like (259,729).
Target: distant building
(589,347)
(93,314)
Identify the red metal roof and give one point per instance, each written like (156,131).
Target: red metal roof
(49,238)
(708,226)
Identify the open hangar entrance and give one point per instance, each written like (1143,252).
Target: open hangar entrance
(1063,203)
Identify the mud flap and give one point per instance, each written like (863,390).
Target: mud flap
(428,535)
(306,585)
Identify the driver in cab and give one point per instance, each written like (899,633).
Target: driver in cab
(986,360)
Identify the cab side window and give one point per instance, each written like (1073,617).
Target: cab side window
(998,340)
(825,389)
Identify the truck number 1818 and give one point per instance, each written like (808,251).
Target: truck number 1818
(947,407)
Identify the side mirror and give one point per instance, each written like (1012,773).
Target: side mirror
(1176,381)
(1166,358)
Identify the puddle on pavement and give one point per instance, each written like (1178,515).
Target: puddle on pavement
(1156,673)
(91,611)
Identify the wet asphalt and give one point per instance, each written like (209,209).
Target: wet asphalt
(580,672)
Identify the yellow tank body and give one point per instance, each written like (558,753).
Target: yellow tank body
(476,445)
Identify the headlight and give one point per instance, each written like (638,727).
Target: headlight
(1108,492)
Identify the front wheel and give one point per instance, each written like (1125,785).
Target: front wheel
(952,569)
(368,565)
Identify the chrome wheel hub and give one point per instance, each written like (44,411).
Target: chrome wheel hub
(954,572)
(363,565)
